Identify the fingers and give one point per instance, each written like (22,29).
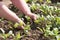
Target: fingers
(34,16)
(20,24)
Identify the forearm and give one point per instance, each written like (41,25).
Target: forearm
(6,13)
(21,5)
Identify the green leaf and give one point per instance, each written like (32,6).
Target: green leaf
(26,0)
(18,36)
(58,37)
(28,18)
(55,30)
(37,21)
(33,7)
(27,27)
(21,23)
(16,25)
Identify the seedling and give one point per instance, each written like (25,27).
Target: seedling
(18,24)
(28,18)
(18,36)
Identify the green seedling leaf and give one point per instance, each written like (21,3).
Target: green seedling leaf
(5,35)
(27,27)
(16,25)
(9,22)
(40,29)
(58,37)
(51,33)
(58,20)
(48,1)
(40,0)
(26,0)
(18,36)
(33,7)
(37,21)
(28,18)
(55,30)
(21,23)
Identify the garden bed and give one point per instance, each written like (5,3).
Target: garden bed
(46,27)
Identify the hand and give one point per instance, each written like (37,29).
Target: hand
(21,25)
(33,16)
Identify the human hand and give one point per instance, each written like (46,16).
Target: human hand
(19,25)
(33,16)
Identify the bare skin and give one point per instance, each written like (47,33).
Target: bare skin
(9,15)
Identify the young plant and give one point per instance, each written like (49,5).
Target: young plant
(18,24)
(26,29)
(18,36)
